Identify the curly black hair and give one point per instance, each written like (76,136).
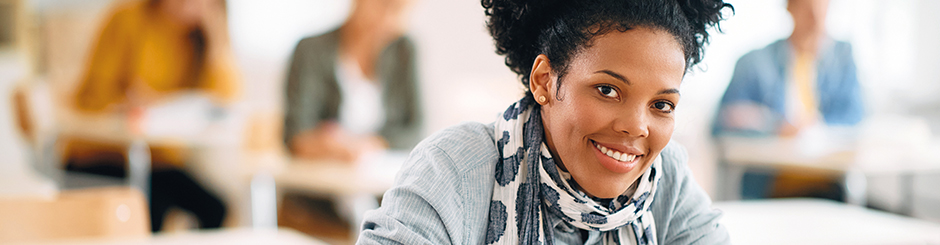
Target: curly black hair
(523,29)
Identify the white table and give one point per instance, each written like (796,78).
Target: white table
(225,236)
(371,175)
(274,171)
(853,160)
(115,128)
(814,221)
(207,132)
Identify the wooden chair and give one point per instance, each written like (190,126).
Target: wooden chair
(110,212)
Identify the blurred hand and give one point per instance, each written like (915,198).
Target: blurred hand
(330,142)
(21,110)
(213,24)
(788,130)
(746,116)
(369,144)
(139,97)
(323,142)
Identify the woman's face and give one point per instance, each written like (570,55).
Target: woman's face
(808,15)
(187,12)
(614,110)
(381,15)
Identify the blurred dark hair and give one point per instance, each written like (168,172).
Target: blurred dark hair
(197,38)
(523,29)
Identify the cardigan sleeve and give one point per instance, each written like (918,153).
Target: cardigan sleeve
(685,215)
(442,193)
(301,106)
(418,210)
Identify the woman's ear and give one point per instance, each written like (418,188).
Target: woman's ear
(540,78)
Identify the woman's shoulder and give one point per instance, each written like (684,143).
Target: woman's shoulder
(323,41)
(467,145)
(404,44)
(675,164)
(765,55)
(842,52)
(442,192)
(674,155)
(682,209)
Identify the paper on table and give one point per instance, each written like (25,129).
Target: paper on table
(194,118)
(185,115)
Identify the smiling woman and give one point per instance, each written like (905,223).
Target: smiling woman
(585,156)
(617,106)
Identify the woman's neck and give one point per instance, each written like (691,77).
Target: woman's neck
(363,43)
(806,42)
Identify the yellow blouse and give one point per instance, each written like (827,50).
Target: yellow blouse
(142,49)
(141,46)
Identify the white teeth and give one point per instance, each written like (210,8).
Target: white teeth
(616,155)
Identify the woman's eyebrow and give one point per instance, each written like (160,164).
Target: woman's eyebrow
(615,75)
(668,91)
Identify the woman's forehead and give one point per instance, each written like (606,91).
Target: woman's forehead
(637,54)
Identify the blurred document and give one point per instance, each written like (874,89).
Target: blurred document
(187,115)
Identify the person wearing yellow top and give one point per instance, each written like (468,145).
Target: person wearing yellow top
(150,50)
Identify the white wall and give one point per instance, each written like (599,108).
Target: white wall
(462,78)
(264,34)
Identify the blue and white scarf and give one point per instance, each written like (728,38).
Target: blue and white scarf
(531,191)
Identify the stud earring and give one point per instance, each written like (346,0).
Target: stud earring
(542,99)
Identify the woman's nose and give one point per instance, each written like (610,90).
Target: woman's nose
(634,123)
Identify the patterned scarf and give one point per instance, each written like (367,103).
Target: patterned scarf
(531,191)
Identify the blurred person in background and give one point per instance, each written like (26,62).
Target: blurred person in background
(804,81)
(353,91)
(148,52)
(354,87)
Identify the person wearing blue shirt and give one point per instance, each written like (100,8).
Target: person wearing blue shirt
(790,85)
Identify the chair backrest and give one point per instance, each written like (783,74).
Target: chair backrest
(112,212)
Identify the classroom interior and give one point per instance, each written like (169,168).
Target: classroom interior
(887,170)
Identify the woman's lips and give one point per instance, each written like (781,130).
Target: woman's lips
(614,160)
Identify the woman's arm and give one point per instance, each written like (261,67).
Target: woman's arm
(402,129)
(742,109)
(442,193)
(299,115)
(219,76)
(105,78)
(420,206)
(845,105)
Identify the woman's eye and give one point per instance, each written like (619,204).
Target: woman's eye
(664,106)
(608,91)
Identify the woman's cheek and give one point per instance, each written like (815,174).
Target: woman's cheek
(663,132)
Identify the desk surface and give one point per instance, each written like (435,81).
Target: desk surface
(373,174)
(802,154)
(182,121)
(811,221)
(227,236)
